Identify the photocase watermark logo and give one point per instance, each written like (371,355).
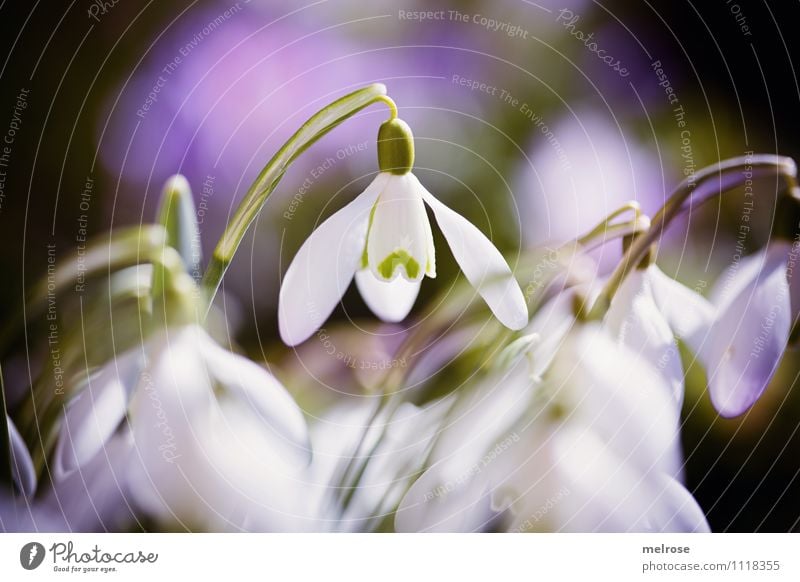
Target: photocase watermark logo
(31,555)
(65,557)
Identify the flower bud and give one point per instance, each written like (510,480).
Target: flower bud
(395,147)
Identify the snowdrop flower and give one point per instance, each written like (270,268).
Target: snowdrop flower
(738,336)
(384,239)
(650,311)
(215,441)
(221,442)
(595,449)
(750,330)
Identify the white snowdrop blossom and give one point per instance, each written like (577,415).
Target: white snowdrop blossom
(384,239)
(593,447)
(650,312)
(215,442)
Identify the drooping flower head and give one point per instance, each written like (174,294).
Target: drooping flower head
(384,239)
(197,436)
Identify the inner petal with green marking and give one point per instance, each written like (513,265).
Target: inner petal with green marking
(399,259)
(399,238)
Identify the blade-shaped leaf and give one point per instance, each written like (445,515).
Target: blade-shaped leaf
(102,256)
(178,216)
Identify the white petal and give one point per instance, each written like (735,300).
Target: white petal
(483,265)
(551,323)
(748,339)
(169,407)
(95,413)
(21,464)
(324,266)
(736,278)
(569,480)
(621,397)
(565,479)
(96,497)
(269,401)
(453,494)
(636,321)
(389,300)
(606,493)
(688,313)
(171,415)
(683,514)
(445,499)
(400,226)
(207,459)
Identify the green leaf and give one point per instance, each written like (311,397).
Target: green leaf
(312,130)
(103,256)
(178,216)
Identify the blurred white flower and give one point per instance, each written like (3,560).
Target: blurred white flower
(391,454)
(594,447)
(383,237)
(96,496)
(215,441)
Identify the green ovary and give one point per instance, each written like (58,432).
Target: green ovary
(399,258)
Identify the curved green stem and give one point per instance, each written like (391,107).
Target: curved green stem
(312,130)
(603,226)
(705,185)
(391,104)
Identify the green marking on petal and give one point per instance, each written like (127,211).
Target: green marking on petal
(365,255)
(399,258)
(364,258)
(430,268)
